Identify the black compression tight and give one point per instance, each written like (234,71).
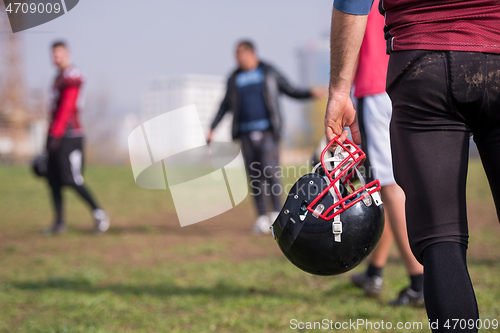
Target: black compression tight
(58,203)
(448,291)
(435,109)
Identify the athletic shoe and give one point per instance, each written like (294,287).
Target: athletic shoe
(273,216)
(410,297)
(262,225)
(55,229)
(101,221)
(371,285)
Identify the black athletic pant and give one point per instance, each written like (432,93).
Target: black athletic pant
(56,190)
(65,168)
(261,155)
(439,99)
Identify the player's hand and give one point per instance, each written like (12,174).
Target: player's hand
(53,144)
(340,112)
(210,135)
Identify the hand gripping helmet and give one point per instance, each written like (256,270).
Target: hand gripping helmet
(331,222)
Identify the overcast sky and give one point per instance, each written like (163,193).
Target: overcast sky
(120,43)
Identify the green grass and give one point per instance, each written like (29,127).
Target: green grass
(147,274)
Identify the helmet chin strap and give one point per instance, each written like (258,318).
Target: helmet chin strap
(337,158)
(337,224)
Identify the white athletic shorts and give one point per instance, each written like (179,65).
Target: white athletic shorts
(374,117)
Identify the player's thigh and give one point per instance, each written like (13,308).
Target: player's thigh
(71,161)
(377,111)
(489,150)
(429,150)
(487,138)
(251,162)
(270,155)
(487,130)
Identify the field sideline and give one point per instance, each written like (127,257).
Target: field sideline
(147,274)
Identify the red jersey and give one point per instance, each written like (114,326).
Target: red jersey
(65,104)
(467,25)
(373,61)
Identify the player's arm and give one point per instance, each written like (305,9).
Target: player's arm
(224,107)
(347,31)
(289,90)
(67,108)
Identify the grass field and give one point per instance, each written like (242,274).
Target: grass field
(147,274)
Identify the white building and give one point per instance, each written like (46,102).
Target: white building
(314,63)
(164,94)
(314,70)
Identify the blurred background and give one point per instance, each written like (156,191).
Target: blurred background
(147,274)
(144,58)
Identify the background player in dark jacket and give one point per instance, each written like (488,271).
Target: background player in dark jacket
(252,95)
(65,141)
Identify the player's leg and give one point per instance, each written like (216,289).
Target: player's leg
(55,188)
(84,193)
(254,172)
(449,293)
(394,205)
(101,218)
(430,144)
(489,150)
(54,181)
(379,256)
(253,165)
(479,102)
(271,172)
(371,280)
(376,112)
(487,133)
(490,157)
(431,167)
(72,150)
(374,129)
(57,201)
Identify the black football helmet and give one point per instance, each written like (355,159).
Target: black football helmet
(39,165)
(329,222)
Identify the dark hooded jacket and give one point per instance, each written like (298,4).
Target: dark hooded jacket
(274,85)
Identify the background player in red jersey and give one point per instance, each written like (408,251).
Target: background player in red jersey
(65,141)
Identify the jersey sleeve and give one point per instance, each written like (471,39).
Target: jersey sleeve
(65,111)
(72,77)
(355,7)
(72,81)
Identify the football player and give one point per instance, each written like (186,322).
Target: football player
(374,114)
(443,79)
(65,141)
(253,91)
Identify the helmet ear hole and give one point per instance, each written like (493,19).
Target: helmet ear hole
(303,210)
